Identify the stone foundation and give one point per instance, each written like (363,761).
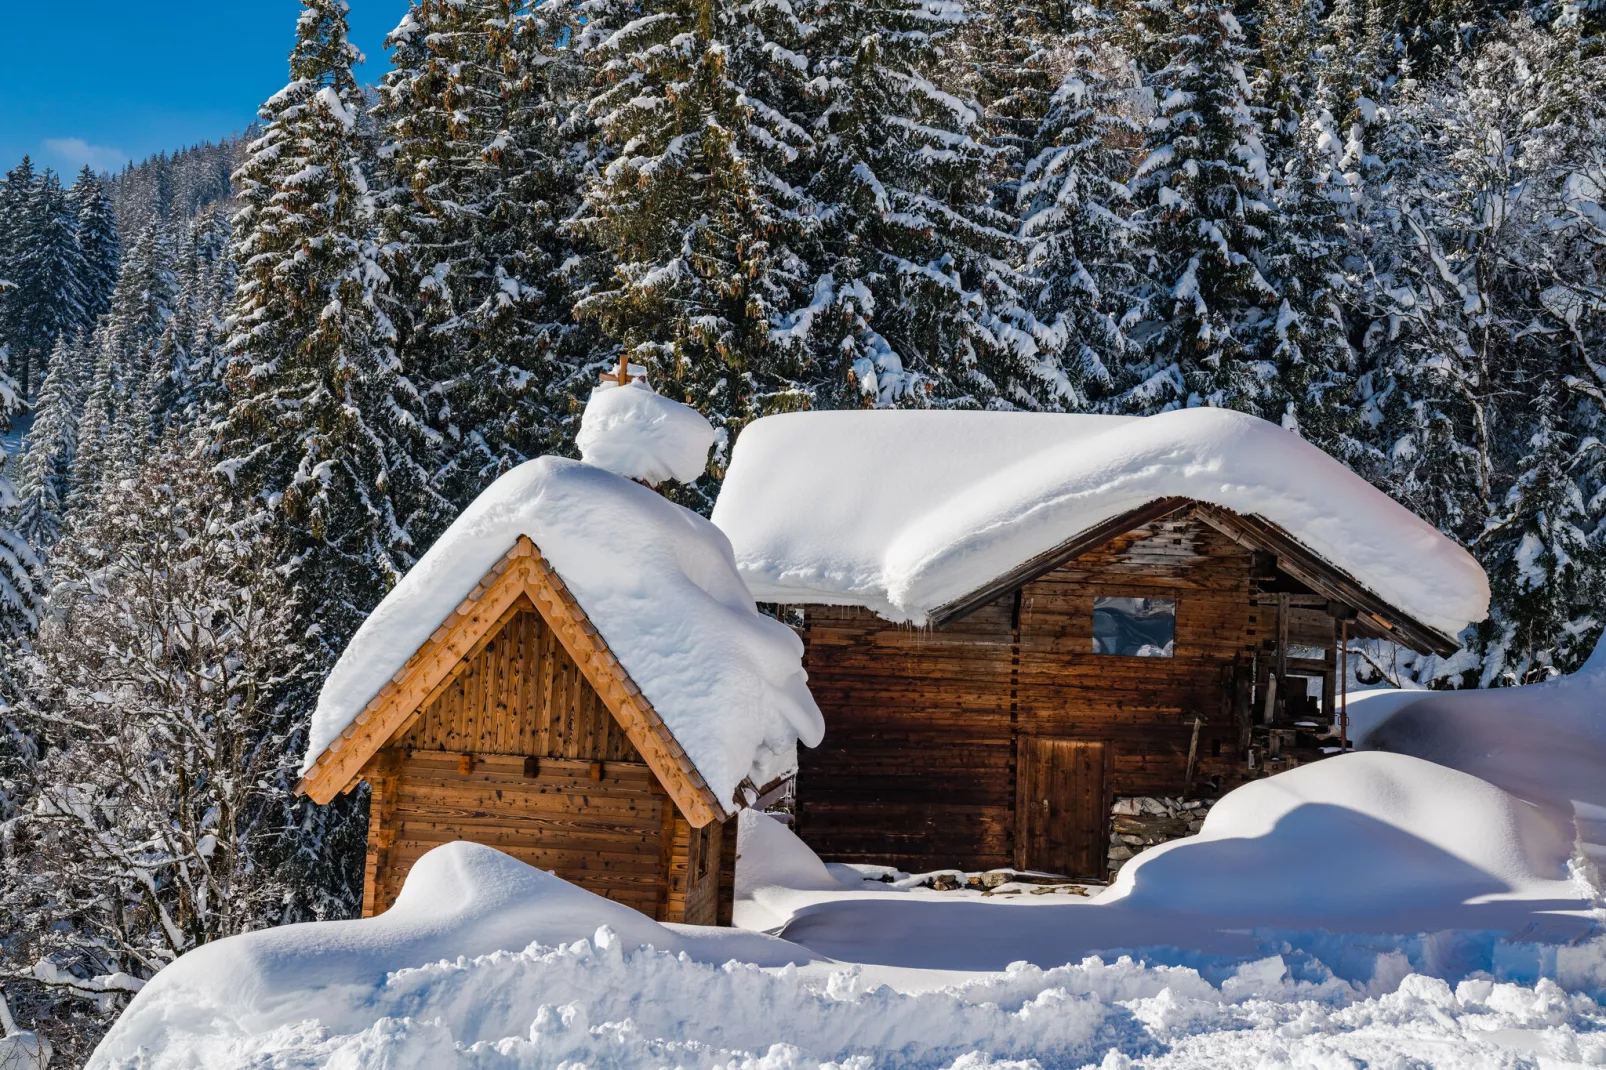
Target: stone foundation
(1138,822)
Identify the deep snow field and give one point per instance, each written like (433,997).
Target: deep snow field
(1432,900)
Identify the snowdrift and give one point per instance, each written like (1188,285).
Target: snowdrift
(1545,743)
(659,583)
(1358,834)
(460,901)
(903,511)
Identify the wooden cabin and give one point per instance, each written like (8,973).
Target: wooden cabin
(516,727)
(1176,648)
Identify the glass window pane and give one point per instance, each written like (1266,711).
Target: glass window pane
(1135,627)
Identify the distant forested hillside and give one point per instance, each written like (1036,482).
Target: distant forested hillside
(260,377)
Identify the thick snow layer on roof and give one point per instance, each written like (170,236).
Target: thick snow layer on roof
(658,582)
(904,511)
(632,431)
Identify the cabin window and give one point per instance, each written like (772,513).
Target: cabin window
(1135,627)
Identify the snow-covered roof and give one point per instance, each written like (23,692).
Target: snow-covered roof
(656,580)
(902,512)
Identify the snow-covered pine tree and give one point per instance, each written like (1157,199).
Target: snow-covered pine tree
(96,420)
(480,143)
(172,377)
(690,211)
(141,304)
(1201,195)
(46,270)
(45,467)
(323,433)
(1301,253)
(323,428)
(16,194)
(98,246)
(915,299)
(1071,198)
(1545,571)
(19,565)
(155,781)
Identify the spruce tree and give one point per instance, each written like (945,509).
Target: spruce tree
(1202,204)
(914,297)
(43,265)
(44,470)
(98,246)
(1545,570)
(322,434)
(19,565)
(690,212)
(1072,198)
(96,421)
(482,150)
(322,429)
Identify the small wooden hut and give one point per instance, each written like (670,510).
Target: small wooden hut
(505,714)
(1105,631)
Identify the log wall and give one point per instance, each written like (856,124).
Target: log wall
(518,752)
(922,754)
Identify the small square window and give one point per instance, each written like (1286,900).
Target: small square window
(1135,627)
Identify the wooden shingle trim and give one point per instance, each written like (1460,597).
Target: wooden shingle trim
(523,573)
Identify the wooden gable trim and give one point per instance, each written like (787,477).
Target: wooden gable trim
(522,574)
(1049,560)
(1253,532)
(1258,533)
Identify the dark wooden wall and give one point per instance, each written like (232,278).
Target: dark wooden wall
(519,753)
(921,760)
(916,768)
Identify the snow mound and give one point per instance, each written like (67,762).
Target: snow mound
(1545,743)
(487,963)
(1350,835)
(904,511)
(775,864)
(634,432)
(460,901)
(659,583)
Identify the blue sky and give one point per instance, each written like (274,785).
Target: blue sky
(104,81)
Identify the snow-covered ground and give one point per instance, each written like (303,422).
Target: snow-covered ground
(1379,909)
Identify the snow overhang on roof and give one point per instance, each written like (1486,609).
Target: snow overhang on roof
(658,584)
(907,512)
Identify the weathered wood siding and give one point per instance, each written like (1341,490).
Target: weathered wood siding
(518,752)
(916,769)
(924,728)
(1144,707)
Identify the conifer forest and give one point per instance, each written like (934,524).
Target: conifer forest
(246,384)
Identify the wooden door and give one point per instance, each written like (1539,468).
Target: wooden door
(1064,811)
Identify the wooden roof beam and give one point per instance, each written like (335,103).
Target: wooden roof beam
(1320,575)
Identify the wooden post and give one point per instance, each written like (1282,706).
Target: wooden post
(1282,651)
(1193,758)
(1330,678)
(624,368)
(1343,710)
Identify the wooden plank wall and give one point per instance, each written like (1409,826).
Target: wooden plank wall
(603,835)
(522,694)
(919,764)
(587,807)
(1143,706)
